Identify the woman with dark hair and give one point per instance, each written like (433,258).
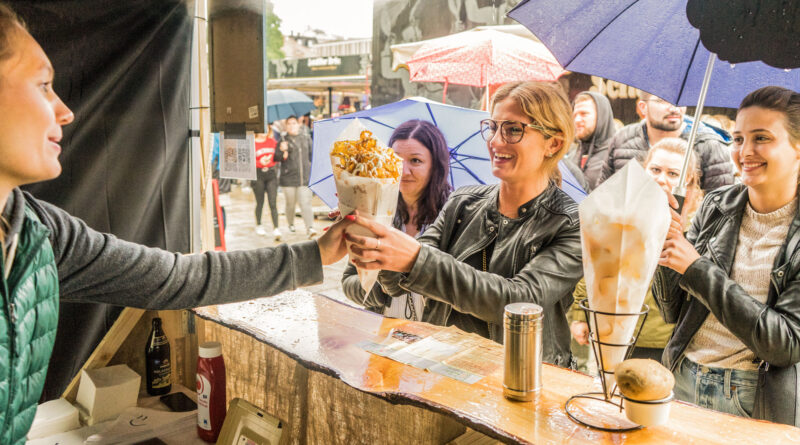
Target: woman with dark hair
(492,245)
(423,192)
(732,284)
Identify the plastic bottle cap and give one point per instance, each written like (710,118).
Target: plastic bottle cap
(210,349)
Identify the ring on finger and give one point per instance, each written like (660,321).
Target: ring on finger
(378,246)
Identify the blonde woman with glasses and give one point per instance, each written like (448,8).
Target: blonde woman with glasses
(517,241)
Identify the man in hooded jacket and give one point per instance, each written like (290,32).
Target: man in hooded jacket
(663,120)
(594,128)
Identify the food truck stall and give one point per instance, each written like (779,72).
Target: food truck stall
(313,369)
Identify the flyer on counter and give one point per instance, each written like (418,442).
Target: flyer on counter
(471,365)
(450,351)
(432,350)
(398,338)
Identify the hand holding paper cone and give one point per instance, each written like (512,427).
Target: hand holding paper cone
(367,175)
(623,226)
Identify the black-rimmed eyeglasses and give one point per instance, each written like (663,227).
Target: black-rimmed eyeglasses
(511,131)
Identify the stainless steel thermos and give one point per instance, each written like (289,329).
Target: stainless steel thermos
(522,377)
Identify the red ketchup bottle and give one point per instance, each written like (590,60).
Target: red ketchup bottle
(210,391)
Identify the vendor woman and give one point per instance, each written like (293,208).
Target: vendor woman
(518,241)
(732,284)
(49,255)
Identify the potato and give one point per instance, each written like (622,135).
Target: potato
(643,379)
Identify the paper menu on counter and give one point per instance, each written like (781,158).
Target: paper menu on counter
(450,352)
(472,364)
(397,339)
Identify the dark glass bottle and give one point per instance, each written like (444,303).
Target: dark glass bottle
(159,369)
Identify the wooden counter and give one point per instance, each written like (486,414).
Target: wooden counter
(295,356)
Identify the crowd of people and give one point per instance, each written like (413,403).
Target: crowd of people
(283,158)
(723,300)
(726,288)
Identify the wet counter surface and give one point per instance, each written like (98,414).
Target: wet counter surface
(322,335)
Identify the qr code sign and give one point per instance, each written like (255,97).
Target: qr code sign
(243,160)
(230,155)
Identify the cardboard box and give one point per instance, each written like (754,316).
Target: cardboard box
(53,417)
(105,392)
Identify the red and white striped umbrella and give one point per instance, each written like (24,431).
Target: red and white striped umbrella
(481,58)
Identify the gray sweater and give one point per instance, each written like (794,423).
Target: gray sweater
(100,268)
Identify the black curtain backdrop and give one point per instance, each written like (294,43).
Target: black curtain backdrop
(122,66)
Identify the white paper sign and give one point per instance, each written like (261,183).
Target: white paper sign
(237,157)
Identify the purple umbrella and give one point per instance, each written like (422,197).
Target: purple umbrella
(648,44)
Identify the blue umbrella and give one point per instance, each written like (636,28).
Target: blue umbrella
(469,162)
(284,103)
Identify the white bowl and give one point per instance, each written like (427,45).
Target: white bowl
(648,413)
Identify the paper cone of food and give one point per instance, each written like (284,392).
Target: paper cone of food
(367,175)
(624,223)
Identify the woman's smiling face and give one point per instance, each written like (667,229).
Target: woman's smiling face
(32,115)
(523,160)
(763,151)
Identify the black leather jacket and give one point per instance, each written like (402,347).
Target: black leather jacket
(536,258)
(296,168)
(771,330)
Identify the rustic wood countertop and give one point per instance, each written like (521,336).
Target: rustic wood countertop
(321,334)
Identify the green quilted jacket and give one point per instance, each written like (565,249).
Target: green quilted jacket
(27,327)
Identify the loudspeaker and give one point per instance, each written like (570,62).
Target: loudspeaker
(237,53)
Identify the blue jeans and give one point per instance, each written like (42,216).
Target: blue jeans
(725,390)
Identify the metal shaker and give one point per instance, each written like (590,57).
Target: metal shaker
(522,377)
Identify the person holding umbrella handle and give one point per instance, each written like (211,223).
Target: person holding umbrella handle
(732,283)
(491,245)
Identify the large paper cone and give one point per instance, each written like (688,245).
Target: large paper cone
(374,198)
(624,223)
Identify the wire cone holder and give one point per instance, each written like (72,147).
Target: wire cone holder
(596,346)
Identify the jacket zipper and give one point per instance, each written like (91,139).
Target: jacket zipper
(34,246)
(11,328)
(300,163)
(469,253)
(462,257)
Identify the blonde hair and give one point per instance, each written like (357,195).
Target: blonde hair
(548,106)
(694,194)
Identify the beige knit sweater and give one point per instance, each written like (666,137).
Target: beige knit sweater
(760,238)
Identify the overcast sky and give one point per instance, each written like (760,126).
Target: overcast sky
(346,18)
